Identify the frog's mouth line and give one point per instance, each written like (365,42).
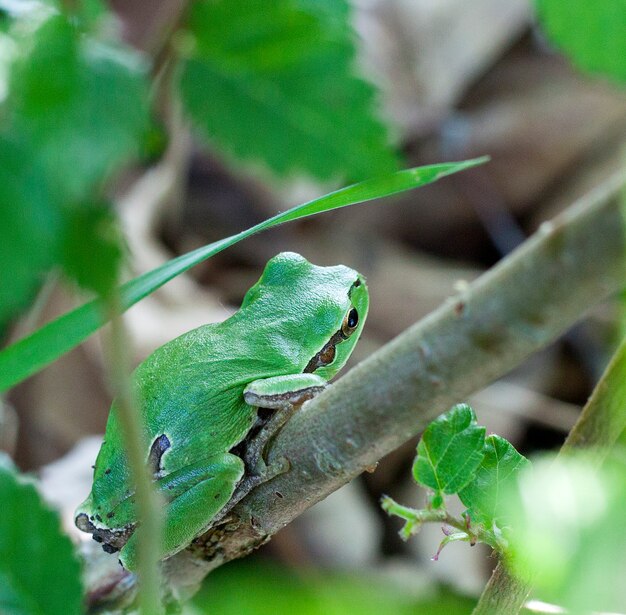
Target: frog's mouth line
(111,540)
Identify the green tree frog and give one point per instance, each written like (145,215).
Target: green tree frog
(212,398)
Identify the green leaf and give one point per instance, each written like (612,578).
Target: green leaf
(485,495)
(34,352)
(592,34)
(39,572)
(30,224)
(75,111)
(79,105)
(449,451)
(274,81)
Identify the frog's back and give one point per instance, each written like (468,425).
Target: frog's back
(190,391)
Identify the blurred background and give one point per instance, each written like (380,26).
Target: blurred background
(454,80)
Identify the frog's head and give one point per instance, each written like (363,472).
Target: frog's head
(320,310)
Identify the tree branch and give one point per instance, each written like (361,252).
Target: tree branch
(515,309)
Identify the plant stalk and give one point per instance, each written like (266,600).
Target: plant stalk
(149,528)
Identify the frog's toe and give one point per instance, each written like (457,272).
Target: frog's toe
(83,523)
(128,554)
(278,466)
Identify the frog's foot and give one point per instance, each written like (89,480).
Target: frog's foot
(276,400)
(265,473)
(111,540)
(253,456)
(252,453)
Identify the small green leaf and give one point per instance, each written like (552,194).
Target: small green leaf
(274,81)
(592,34)
(48,343)
(450,450)
(39,572)
(484,495)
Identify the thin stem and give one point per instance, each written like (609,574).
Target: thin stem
(135,444)
(603,418)
(415,518)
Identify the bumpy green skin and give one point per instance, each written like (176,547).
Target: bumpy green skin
(191,391)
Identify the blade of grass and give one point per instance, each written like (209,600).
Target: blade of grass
(32,353)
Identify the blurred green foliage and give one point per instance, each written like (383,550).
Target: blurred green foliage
(274,81)
(591,33)
(255,587)
(75,109)
(270,82)
(568,514)
(79,105)
(568,533)
(39,572)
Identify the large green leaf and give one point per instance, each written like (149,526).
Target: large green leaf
(39,573)
(76,109)
(449,451)
(78,104)
(592,34)
(274,81)
(485,495)
(34,352)
(30,223)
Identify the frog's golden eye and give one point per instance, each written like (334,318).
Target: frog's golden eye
(350,322)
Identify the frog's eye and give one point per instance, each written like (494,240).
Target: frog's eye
(350,322)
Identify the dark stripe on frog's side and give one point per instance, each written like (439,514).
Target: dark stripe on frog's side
(326,354)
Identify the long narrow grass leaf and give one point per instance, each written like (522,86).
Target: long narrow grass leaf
(32,353)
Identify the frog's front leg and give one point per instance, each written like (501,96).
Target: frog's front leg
(284,395)
(194,496)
